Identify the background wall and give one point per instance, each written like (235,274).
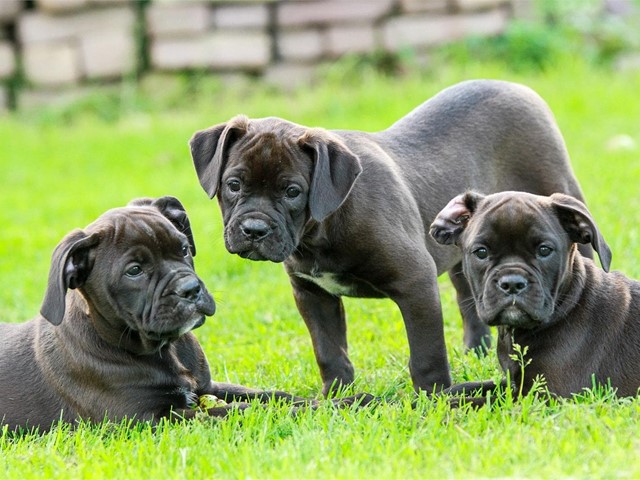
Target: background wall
(48,47)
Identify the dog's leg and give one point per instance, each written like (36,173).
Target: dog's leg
(474,388)
(473,393)
(415,291)
(230,392)
(324,316)
(477,335)
(237,393)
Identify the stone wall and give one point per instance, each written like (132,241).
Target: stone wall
(59,45)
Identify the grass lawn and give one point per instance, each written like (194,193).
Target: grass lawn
(60,170)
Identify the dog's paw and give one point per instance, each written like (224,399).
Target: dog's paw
(208,401)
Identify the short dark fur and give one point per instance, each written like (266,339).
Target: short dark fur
(112,343)
(580,324)
(348,212)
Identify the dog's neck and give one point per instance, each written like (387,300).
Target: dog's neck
(116,335)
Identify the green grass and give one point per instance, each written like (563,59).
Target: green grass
(62,168)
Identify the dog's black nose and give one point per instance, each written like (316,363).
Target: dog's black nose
(189,288)
(255,229)
(512,284)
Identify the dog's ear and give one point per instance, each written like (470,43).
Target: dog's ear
(209,150)
(71,264)
(579,224)
(453,218)
(335,170)
(174,211)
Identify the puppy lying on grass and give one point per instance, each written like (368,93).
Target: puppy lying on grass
(113,340)
(579,324)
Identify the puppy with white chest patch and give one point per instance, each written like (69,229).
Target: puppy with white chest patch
(348,212)
(579,323)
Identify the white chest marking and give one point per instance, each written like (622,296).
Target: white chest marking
(328,282)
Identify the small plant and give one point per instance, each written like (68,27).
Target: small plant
(519,357)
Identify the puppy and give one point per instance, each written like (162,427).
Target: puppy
(348,212)
(579,324)
(113,339)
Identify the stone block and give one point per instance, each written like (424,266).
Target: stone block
(7,59)
(108,54)
(289,76)
(9,10)
(429,30)
(178,18)
(416,6)
(300,44)
(474,5)
(295,14)
(241,16)
(38,27)
(487,23)
(345,39)
(222,49)
(525,10)
(51,64)
(60,6)
(627,62)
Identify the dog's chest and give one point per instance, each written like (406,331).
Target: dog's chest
(339,284)
(329,282)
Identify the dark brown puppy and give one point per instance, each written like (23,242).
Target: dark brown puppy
(114,337)
(581,325)
(349,212)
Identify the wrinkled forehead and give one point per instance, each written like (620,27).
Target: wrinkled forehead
(513,218)
(129,226)
(267,149)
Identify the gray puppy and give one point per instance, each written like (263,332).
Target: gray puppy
(349,212)
(580,324)
(114,337)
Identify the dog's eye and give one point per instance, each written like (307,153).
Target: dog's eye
(134,271)
(481,253)
(185,250)
(234,185)
(292,192)
(544,251)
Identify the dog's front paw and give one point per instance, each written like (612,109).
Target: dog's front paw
(208,401)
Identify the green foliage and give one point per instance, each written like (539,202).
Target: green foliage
(562,30)
(62,168)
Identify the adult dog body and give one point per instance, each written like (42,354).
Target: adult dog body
(348,212)
(114,337)
(580,324)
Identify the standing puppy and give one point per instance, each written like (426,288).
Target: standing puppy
(580,324)
(349,212)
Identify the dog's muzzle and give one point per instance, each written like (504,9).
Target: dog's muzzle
(255,229)
(511,301)
(189,299)
(256,238)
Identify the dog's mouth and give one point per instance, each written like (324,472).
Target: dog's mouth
(259,252)
(174,334)
(513,316)
(274,246)
(252,255)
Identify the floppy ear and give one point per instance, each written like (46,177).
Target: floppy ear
(209,149)
(452,219)
(335,170)
(578,223)
(71,264)
(173,210)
